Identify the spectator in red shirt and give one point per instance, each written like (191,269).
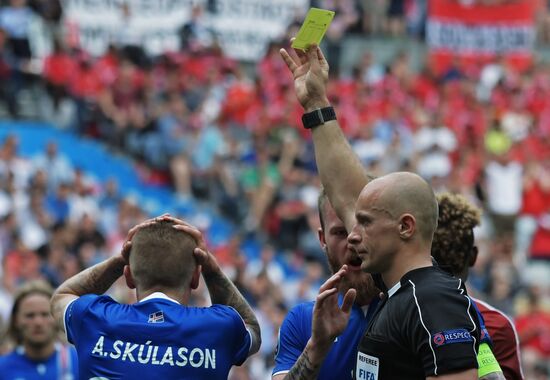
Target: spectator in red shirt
(86,84)
(534,237)
(59,67)
(534,330)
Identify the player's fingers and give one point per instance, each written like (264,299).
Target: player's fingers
(134,229)
(290,63)
(168,218)
(191,230)
(126,249)
(349,299)
(323,296)
(177,221)
(188,228)
(200,255)
(334,279)
(132,232)
(164,217)
(330,282)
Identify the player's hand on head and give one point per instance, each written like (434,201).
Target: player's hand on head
(192,230)
(310,72)
(127,245)
(203,256)
(125,251)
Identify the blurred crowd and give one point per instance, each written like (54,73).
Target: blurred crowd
(217,132)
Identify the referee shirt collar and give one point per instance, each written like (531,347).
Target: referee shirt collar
(407,276)
(394,289)
(158,295)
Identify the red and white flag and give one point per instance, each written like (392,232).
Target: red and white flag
(475,32)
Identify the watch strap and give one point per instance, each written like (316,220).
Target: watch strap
(318,117)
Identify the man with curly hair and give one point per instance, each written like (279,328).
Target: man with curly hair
(454,249)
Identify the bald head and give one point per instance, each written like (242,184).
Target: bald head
(404,192)
(162,257)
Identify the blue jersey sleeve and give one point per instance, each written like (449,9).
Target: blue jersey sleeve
(236,327)
(5,362)
(74,316)
(293,336)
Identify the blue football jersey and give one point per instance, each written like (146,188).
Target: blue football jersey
(296,331)
(61,365)
(155,338)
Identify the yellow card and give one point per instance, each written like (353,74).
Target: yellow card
(313,28)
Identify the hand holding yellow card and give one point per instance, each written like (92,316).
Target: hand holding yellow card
(313,29)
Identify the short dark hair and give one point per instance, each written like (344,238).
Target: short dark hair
(453,242)
(31,288)
(322,199)
(162,256)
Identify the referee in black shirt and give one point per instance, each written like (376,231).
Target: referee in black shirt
(426,327)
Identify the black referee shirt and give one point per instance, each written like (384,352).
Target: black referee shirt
(426,326)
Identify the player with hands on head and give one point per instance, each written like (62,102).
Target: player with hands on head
(425,327)
(159,336)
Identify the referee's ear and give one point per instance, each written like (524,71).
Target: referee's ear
(407,226)
(128,277)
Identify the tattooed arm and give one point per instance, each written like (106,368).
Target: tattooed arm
(222,290)
(308,364)
(328,322)
(94,280)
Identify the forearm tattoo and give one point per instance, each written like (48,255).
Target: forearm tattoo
(303,369)
(95,280)
(223,291)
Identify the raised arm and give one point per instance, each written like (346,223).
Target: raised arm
(222,290)
(94,280)
(342,173)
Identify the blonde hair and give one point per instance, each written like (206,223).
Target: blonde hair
(162,256)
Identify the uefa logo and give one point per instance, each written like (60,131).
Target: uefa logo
(438,339)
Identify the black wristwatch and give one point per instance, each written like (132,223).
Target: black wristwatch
(318,117)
